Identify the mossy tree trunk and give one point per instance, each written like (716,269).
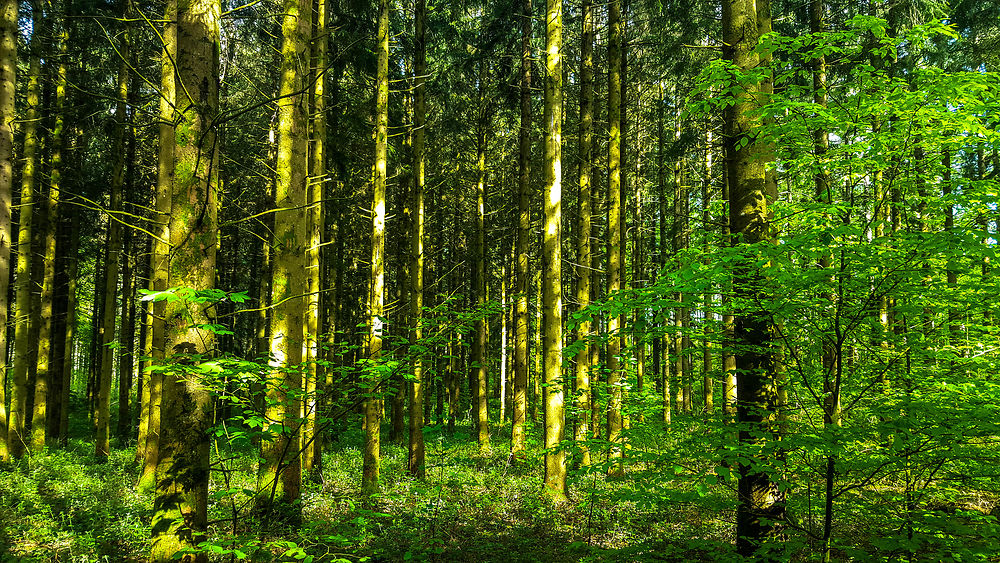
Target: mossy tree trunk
(280,474)
(615,235)
(760,506)
(109,310)
(8,60)
(584,202)
(23,345)
(416,454)
(376,288)
(155,347)
(523,238)
(555,458)
(180,517)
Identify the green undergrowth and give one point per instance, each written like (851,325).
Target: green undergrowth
(672,505)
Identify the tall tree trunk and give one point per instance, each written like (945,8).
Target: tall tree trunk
(376,298)
(707,391)
(312,458)
(180,510)
(479,278)
(127,341)
(279,477)
(8,65)
(109,310)
(22,327)
(415,458)
(661,180)
(159,265)
(584,201)
(760,505)
(615,235)
(524,191)
(45,382)
(555,458)
(66,368)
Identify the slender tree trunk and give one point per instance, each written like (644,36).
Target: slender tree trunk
(376,299)
(615,235)
(479,279)
(708,397)
(661,180)
(555,458)
(415,459)
(279,477)
(159,259)
(17,440)
(524,191)
(312,458)
(45,381)
(584,201)
(127,341)
(180,510)
(66,368)
(8,65)
(109,316)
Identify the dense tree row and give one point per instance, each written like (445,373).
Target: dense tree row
(246,226)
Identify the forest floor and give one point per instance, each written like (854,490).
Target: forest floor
(65,506)
(674,504)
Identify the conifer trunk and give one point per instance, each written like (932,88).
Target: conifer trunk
(376,297)
(760,507)
(8,64)
(521,322)
(159,258)
(584,201)
(279,477)
(555,458)
(180,517)
(17,440)
(415,459)
(615,235)
(109,310)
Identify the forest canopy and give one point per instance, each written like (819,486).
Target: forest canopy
(329,280)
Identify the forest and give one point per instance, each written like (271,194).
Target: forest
(499,280)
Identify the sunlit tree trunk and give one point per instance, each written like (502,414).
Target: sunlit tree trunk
(614,235)
(279,477)
(555,458)
(760,506)
(17,441)
(312,458)
(415,459)
(479,394)
(8,67)
(180,510)
(109,311)
(661,180)
(159,258)
(584,201)
(521,322)
(45,381)
(707,391)
(376,298)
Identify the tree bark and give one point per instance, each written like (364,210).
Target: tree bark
(584,201)
(760,507)
(279,477)
(415,458)
(17,440)
(615,236)
(180,517)
(524,192)
(376,298)
(8,65)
